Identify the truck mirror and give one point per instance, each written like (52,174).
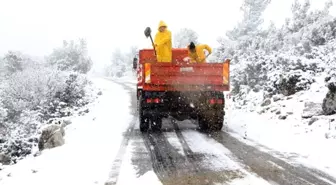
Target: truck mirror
(135,63)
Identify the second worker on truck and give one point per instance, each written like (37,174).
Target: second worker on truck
(163,43)
(196,53)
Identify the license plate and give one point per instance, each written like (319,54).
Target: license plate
(186,69)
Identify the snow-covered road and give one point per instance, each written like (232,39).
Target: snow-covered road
(180,154)
(105,147)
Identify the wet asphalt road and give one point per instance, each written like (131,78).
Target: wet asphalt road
(195,163)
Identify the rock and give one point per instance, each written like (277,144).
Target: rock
(329,103)
(38,153)
(274,110)
(266,102)
(278,112)
(67,122)
(51,137)
(332,87)
(311,109)
(267,96)
(290,113)
(100,93)
(283,117)
(5,159)
(2,140)
(276,98)
(289,98)
(312,120)
(33,140)
(86,111)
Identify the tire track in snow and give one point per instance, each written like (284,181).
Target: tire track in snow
(113,177)
(173,168)
(186,149)
(259,162)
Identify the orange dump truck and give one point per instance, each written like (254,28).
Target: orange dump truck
(181,90)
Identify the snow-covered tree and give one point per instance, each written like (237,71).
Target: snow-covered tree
(15,61)
(118,66)
(73,56)
(252,19)
(247,36)
(184,36)
(121,63)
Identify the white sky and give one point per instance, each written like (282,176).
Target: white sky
(36,27)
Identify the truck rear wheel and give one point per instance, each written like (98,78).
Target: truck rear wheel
(143,120)
(156,124)
(211,123)
(203,124)
(217,123)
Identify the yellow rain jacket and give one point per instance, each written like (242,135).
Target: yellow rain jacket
(163,44)
(199,55)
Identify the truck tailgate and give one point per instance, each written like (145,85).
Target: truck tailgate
(187,74)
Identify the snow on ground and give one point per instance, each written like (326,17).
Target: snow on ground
(248,180)
(91,144)
(130,77)
(128,174)
(308,144)
(223,160)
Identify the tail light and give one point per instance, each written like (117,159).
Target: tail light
(153,100)
(216,101)
(226,69)
(212,101)
(156,100)
(220,101)
(147,72)
(149,100)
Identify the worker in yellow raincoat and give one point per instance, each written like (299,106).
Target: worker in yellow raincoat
(196,53)
(163,43)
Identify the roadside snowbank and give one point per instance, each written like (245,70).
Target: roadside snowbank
(91,144)
(286,125)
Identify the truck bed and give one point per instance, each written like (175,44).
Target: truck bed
(170,76)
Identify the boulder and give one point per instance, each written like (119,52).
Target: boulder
(312,120)
(283,117)
(51,137)
(5,159)
(276,98)
(266,102)
(311,109)
(329,102)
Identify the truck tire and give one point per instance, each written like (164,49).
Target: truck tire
(217,123)
(156,124)
(143,120)
(203,124)
(212,123)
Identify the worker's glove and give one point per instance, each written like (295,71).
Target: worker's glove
(186,59)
